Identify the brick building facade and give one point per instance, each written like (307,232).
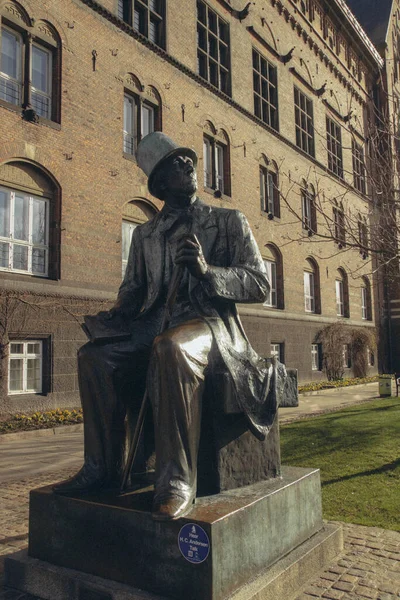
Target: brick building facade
(273,97)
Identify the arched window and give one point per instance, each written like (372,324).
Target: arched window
(366,300)
(274,266)
(216,160)
(30,64)
(142,113)
(134,213)
(312,296)
(269,188)
(29,219)
(339,225)
(342,294)
(308,208)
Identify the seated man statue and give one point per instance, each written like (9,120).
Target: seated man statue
(220,265)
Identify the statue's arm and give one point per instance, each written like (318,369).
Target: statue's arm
(245,279)
(133,287)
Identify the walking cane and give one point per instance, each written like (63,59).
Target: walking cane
(175,282)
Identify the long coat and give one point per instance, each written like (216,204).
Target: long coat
(237,274)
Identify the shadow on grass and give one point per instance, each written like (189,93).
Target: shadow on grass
(378,471)
(354,429)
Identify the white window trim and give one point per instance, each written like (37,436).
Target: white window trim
(25,357)
(272,300)
(11,240)
(309,292)
(339,287)
(19,81)
(267,184)
(276,350)
(49,93)
(364,304)
(346,356)
(129,136)
(306,203)
(132,227)
(315,359)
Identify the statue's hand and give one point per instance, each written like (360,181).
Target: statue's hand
(190,254)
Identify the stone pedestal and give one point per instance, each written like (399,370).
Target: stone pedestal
(249,531)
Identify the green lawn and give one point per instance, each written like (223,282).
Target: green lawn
(358,452)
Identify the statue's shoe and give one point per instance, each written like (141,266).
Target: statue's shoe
(86,481)
(170,506)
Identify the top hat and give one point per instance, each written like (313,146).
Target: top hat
(154,149)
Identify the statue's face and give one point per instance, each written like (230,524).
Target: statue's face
(180,177)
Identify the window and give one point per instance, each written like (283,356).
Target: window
(339,227)
(358,167)
(366,301)
(277,351)
(304,122)
(346,356)
(265,90)
(272,297)
(312,299)
(274,267)
(309,292)
(216,163)
(334,144)
(269,192)
(24,234)
(308,209)
(25,367)
(370,358)
(339,298)
(127,230)
(146,16)
(342,294)
(316,355)
(29,73)
(363,237)
(141,116)
(213,61)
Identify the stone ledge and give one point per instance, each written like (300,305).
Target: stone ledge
(282,581)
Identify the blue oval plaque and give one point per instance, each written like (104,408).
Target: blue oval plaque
(193,543)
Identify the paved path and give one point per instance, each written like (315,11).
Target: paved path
(369,566)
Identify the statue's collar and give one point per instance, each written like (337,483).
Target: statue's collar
(171,211)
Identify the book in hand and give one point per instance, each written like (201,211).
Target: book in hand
(102,330)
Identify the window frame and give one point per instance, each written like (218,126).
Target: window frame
(52,49)
(339,288)
(132,227)
(277,352)
(19,82)
(334,147)
(268,181)
(309,298)
(308,211)
(138,105)
(347,362)
(12,241)
(304,114)
(267,86)
(339,227)
(316,357)
(205,59)
(33,90)
(358,157)
(140,16)
(271,268)
(25,356)
(216,151)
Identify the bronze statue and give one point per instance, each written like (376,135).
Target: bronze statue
(220,265)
